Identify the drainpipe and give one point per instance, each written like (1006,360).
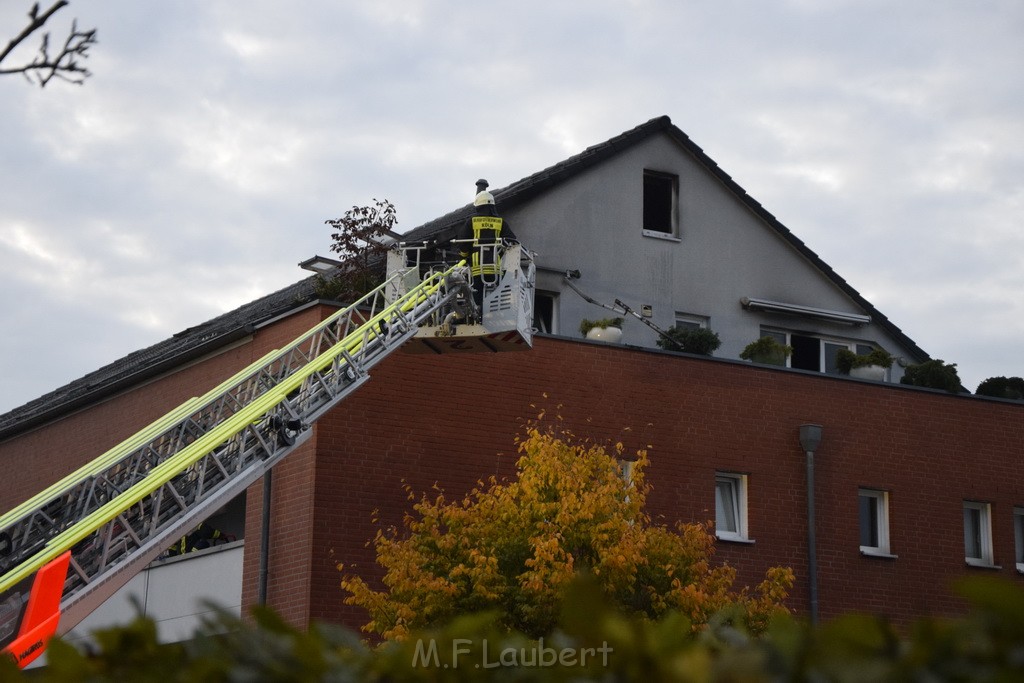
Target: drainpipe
(261,590)
(810,438)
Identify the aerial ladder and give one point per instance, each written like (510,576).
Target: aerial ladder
(69,548)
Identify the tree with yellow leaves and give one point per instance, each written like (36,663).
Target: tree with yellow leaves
(514,546)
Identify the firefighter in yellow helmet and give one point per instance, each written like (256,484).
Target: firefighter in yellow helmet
(487,230)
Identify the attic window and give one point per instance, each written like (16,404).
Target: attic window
(661,192)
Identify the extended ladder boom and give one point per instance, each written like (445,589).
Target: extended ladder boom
(124,508)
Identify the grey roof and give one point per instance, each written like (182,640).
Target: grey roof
(197,341)
(147,363)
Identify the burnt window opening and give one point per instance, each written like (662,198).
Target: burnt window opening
(544,312)
(660,198)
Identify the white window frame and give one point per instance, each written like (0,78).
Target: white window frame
(784,336)
(880,501)
(1018,536)
(982,512)
(738,485)
(690,320)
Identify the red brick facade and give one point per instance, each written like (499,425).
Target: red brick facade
(452,419)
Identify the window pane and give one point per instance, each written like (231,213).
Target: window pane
(869,521)
(831,352)
(972,532)
(725,505)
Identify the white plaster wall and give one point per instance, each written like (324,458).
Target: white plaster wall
(724,252)
(172,591)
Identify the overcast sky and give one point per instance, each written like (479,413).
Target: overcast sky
(196,168)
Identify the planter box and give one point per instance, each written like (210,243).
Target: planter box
(872,372)
(612,335)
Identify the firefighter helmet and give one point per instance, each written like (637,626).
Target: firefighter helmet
(482,198)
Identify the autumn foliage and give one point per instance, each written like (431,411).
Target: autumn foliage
(513,547)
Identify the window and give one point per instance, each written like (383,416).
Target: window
(1018,535)
(686,321)
(544,311)
(661,191)
(874,521)
(731,506)
(978,534)
(627,470)
(815,353)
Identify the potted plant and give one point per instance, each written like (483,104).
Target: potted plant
(870,365)
(606,329)
(698,340)
(767,350)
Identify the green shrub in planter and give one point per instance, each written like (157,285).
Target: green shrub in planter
(587,325)
(766,350)
(846,359)
(1002,387)
(934,374)
(699,340)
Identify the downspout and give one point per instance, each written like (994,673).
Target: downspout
(810,438)
(261,590)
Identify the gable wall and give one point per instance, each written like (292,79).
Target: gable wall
(592,222)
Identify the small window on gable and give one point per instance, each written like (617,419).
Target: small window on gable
(874,521)
(661,192)
(978,534)
(731,506)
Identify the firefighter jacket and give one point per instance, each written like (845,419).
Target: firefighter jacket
(486,231)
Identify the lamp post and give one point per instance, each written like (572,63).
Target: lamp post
(810,439)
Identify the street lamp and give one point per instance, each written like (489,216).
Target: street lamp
(810,439)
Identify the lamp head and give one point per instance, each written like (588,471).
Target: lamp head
(810,437)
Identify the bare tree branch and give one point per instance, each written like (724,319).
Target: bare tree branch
(44,67)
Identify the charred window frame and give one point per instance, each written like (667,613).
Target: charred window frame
(661,204)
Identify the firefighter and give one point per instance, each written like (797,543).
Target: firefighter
(203,536)
(487,230)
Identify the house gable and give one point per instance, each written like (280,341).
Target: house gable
(586,214)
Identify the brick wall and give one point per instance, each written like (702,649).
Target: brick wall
(47,453)
(451,420)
